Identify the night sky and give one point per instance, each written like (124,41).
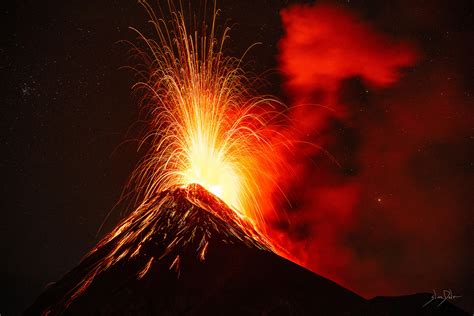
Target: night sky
(69,129)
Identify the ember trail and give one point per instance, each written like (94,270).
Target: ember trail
(206,125)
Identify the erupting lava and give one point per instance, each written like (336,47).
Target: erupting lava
(206,125)
(208,131)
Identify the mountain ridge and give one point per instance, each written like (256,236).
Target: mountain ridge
(185,252)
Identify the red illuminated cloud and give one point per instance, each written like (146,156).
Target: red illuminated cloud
(325,44)
(391,217)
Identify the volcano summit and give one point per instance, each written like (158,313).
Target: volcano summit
(186,253)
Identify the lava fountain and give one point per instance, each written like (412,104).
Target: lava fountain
(206,124)
(208,132)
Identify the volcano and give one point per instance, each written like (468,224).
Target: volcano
(185,252)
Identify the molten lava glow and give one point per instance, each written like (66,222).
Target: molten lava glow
(209,169)
(207,127)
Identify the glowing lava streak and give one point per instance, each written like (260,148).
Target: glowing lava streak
(206,125)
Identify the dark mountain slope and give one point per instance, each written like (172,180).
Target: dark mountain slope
(186,253)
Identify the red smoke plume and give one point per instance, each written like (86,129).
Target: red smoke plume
(385,215)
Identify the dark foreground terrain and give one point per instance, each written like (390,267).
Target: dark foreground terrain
(186,253)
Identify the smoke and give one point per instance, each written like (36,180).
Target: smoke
(377,195)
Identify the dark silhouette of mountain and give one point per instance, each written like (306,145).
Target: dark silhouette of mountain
(186,253)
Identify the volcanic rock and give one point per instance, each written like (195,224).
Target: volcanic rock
(186,253)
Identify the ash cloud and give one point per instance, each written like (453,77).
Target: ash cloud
(379,202)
